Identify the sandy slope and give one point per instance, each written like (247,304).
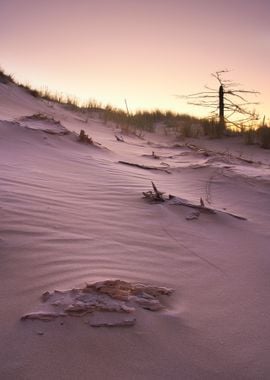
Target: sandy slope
(70,214)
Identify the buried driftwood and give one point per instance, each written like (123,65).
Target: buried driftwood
(119,138)
(61,133)
(156,196)
(145,166)
(109,303)
(153,155)
(38,122)
(226,155)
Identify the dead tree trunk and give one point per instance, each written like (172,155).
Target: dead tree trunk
(221,105)
(221,126)
(228,104)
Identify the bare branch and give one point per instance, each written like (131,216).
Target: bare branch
(247,92)
(226,102)
(236,95)
(200,105)
(209,88)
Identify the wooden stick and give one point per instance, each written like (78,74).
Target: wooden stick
(158,196)
(145,167)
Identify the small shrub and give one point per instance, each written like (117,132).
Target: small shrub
(84,138)
(72,102)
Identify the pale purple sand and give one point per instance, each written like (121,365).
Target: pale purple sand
(70,214)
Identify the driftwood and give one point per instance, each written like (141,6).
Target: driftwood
(43,316)
(157,196)
(45,120)
(145,166)
(109,322)
(61,133)
(208,153)
(109,303)
(40,117)
(202,151)
(119,138)
(153,155)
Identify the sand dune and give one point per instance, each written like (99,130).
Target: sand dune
(72,214)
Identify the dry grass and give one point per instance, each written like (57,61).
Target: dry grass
(179,125)
(5,78)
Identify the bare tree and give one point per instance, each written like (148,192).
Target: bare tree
(228,103)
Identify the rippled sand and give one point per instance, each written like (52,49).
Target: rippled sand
(71,214)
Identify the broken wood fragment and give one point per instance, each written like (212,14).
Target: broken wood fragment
(153,305)
(155,156)
(43,316)
(145,166)
(225,155)
(109,303)
(114,324)
(183,202)
(157,196)
(119,138)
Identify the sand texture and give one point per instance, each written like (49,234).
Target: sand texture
(73,215)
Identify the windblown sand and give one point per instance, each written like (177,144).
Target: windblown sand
(72,214)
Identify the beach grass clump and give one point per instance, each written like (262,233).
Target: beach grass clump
(43,93)
(72,102)
(183,125)
(180,125)
(250,136)
(212,128)
(131,122)
(263,134)
(5,78)
(92,105)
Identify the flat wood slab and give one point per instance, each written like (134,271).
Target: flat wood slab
(111,303)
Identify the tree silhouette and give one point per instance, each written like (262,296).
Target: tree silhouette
(228,103)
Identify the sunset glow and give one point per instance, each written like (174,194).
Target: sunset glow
(143,51)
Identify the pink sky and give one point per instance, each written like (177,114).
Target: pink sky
(145,51)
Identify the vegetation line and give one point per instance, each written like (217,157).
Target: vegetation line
(175,124)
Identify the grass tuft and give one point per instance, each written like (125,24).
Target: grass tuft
(264,136)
